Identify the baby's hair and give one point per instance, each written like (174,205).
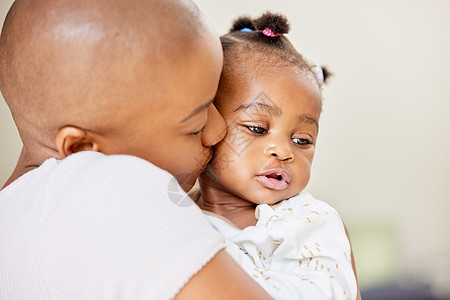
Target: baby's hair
(261,41)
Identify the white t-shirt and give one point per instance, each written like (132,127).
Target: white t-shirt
(100,227)
(297,250)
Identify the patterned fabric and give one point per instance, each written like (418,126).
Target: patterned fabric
(297,250)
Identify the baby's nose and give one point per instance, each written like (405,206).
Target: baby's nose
(283,153)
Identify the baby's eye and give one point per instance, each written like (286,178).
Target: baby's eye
(302,141)
(257,129)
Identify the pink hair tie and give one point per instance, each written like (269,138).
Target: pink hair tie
(270,33)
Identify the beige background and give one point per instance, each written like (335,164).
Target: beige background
(383,154)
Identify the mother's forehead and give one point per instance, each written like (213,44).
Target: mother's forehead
(65,49)
(154,19)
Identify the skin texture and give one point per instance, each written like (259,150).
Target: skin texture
(272,124)
(114,77)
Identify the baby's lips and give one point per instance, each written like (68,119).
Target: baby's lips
(277,172)
(272,183)
(269,179)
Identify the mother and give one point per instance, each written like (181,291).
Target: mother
(85,78)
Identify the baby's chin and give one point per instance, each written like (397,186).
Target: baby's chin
(269,200)
(271,197)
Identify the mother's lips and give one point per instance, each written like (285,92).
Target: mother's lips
(275,179)
(211,155)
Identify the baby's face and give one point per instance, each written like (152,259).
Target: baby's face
(272,123)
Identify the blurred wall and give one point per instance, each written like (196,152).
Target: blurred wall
(9,137)
(383,154)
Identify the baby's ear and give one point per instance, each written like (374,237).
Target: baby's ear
(71,139)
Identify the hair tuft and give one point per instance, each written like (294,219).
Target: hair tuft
(277,23)
(241,23)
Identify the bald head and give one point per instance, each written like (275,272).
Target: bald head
(76,62)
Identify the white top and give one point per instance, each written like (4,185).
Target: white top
(100,227)
(297,250)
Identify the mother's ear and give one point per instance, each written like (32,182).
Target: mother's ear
(71,139)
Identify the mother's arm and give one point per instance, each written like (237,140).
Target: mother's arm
(222,278)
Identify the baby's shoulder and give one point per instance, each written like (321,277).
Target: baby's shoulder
(304,202)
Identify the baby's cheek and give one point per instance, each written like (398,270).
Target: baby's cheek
(304,173)
(221,165)
(228,151)
(221,156)
(237,140)
(309,154)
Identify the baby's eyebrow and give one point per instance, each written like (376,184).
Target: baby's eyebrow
(270,109)
(198,110)
(308,120)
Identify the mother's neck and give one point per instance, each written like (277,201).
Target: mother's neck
(29,159)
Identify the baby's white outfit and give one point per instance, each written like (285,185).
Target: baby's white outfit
(297,250)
